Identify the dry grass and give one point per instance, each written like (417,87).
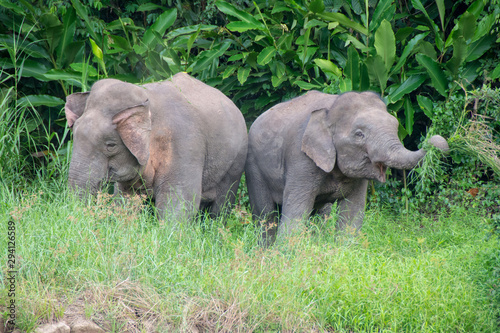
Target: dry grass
(475,138)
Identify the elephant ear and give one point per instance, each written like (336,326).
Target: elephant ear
(317,142)
(75,105)
(134,127)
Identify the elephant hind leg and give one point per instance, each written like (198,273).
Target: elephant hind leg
(225,196)
(265,210)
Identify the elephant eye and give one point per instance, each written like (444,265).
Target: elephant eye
(359,134)
(110,145)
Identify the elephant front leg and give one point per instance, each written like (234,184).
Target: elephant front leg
(298,203)
(351,209)
(176,204)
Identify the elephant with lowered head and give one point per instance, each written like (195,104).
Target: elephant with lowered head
(180,141)
(317,149)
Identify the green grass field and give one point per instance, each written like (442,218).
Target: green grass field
(118,266)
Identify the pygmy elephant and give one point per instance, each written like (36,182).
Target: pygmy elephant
(180,141)
(320,148)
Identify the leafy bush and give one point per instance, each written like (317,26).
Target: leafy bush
(468,175)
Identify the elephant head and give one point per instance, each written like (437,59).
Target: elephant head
(360,136)
(111,128)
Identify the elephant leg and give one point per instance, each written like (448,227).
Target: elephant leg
(298,203)
(179,202)
(324,211)
(225,196)
(264,209)
(352,207)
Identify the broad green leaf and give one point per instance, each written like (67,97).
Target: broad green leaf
(306,85)
(315,23)
(278,8)
(206,58)
(68,33)
(243,73)
(467,25)
(64,75)
(39,100)
(484,27)
(328,67)
(408,86)
(240,26)
(52,32)
(479,47)
(409,49)
(124,24)
(409,116)
(428,49)
(477,8)
(438,78)
(381,9)
(303,56)
(417,4)
(82,12)
(403,33)
(84,68)
(377,71)
(459,53)
(358,6)
(426,105)
(317,6)
(13,7)
(345,85)
(190,29)
(28,68)
(385,43)
(280,69)
(229,9)
(266,55)
(344,21)
(262,102)
(165,21)
(351,69)
(364,77)
(146,7)
(191,41)
(162,23)
(118,44)
(495,74)
(228,72)
(356,43)
(237,56)
(442,12)
(277,81)
(470,71)
(96,50)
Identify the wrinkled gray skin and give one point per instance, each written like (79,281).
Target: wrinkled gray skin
(180,141)
(317,149)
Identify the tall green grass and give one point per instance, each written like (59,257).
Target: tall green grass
(118,266)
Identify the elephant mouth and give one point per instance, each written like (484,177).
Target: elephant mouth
(382,168)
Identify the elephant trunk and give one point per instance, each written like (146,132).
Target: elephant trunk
(82,178)
(391,153)
(404,159)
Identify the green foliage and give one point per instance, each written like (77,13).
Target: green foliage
(469,174)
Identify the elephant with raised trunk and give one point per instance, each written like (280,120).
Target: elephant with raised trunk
(317,149)
(180,141)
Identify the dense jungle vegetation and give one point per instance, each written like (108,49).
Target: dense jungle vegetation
(428,257)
